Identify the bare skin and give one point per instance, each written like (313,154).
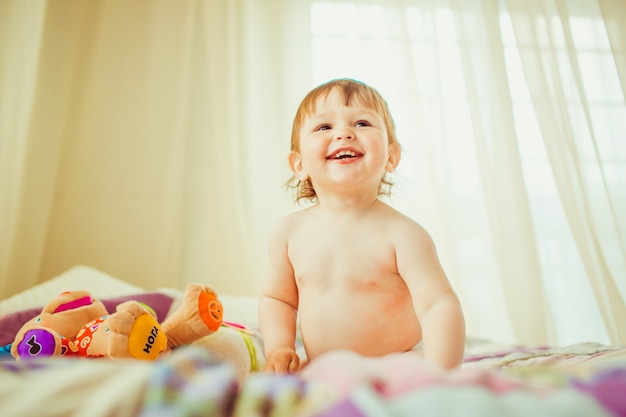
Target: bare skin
(359,274)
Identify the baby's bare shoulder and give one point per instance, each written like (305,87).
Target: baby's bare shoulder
(396,218)
(290,223)
(404,227)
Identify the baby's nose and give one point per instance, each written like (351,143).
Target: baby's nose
(344,134)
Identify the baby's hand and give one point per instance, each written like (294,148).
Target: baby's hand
(281,361)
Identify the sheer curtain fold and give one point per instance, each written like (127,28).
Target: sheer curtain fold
(117,184)
(500,164)
(585,201)
(32,148)
(19,53)
(614,16)
(135,154)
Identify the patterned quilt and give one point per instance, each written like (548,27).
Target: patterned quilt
(585,380)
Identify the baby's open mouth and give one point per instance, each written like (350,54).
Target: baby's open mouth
(344,154)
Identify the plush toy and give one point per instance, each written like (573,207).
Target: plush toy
(76,324)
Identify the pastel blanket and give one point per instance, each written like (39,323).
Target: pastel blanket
(403,386)
(193,382)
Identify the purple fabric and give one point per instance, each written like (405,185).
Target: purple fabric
(12,322)
(159,302)
(608,387)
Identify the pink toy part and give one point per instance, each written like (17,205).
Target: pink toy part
(79,302)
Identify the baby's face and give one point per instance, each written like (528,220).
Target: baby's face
(342,145)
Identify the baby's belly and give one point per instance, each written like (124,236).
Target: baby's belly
(369,324)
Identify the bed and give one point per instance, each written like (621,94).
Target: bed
(495,380)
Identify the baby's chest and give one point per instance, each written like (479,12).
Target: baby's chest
(346,259)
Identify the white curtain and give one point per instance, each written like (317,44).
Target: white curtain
(149,139)
(144,138)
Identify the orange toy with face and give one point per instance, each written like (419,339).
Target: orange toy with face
(76,324)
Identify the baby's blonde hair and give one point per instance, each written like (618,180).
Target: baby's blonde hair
(353,91)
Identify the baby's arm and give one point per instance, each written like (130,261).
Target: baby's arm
(278,308)
(436,304)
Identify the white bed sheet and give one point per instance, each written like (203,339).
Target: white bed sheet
(79,277)
(237,308)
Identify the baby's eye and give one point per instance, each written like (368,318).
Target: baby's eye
(362,123)
(322,127)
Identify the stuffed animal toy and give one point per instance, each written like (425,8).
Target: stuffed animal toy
(76,324)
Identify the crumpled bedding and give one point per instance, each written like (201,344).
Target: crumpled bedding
(192,382)
(72,387)
(403,386)
(188,382)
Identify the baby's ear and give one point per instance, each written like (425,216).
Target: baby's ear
(295,163)
(393,159)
